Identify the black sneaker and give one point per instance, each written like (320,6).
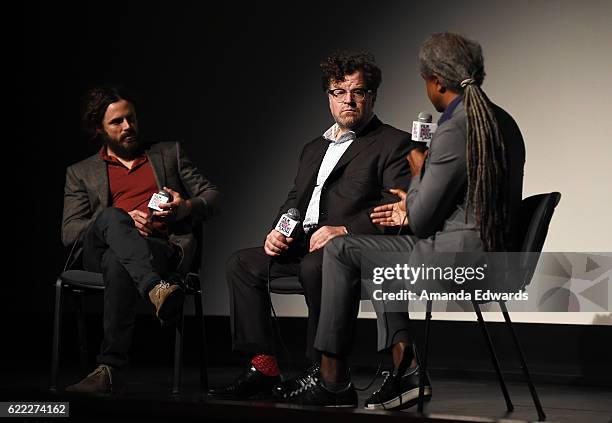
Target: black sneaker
(250,384)
(288,388)
(314,393)
(398,392)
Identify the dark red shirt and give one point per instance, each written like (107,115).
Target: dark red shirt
(131,189)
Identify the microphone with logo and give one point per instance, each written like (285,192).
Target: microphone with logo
(423,129)
(288,222)
(160,197)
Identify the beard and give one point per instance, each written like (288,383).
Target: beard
(351,121)
(124,148)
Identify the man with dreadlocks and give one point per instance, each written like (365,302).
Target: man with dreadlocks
(464,196)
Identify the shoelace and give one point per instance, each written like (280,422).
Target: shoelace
(236,383)
(376,395)
(101,368)
(303,379)
(162,285)
(387,375)
(312,381)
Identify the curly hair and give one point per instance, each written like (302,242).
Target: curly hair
(338,65)
(95,102)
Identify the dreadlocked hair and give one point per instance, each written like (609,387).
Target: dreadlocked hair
(459,65)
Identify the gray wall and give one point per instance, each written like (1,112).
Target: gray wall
(239,86)
(548,63)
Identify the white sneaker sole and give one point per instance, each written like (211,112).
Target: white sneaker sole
(407,399)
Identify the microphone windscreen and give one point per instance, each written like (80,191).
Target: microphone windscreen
(294,213)
(425,117)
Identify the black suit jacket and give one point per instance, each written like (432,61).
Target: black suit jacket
(374,163)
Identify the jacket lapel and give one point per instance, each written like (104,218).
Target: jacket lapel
(361,142)
(159,170)
(99,180)
(314,161)
(312,164)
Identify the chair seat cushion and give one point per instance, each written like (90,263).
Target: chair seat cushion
(286,285)
(82,279)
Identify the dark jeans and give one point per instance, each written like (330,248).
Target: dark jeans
(131,265)
(247,275)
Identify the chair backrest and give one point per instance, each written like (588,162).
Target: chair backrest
(535,217)
(536,213)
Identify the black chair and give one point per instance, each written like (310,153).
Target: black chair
(536,213)
(79,283)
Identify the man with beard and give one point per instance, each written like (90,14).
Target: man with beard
(106,212)
(341,176)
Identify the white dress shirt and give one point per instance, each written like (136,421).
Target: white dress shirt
(337,147)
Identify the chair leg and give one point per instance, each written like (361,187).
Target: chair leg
(178,356)
(423,365)
(487,338)
(57,315)
(519,350)
(81,333)
(197,299)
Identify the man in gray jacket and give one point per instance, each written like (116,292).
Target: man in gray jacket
(106,211)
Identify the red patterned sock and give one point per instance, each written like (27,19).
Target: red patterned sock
(266,364)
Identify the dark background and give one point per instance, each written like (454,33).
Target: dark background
(231,84)
(238,84)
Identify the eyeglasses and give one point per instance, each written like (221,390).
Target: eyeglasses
(359,94)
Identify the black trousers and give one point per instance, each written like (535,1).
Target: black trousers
(247,275)
(131,265)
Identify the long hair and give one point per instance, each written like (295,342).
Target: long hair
(459,65)
(95,102)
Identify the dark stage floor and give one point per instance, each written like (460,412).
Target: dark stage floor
(149,397)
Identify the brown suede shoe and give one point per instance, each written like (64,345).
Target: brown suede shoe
(168,301)
(103,380)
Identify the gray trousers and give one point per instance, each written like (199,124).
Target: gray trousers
(341,292)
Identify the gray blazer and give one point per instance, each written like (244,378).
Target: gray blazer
(436,201)
(86,192)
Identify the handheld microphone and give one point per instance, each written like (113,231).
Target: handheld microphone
(288,222)
(423,129)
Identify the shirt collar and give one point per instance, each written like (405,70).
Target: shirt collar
(331,133)
(450,109)
(112,160)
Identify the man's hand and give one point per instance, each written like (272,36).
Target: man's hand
(391,214)
(142,221)
(323,235)
(416,159)
(276,243)
(178,208)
